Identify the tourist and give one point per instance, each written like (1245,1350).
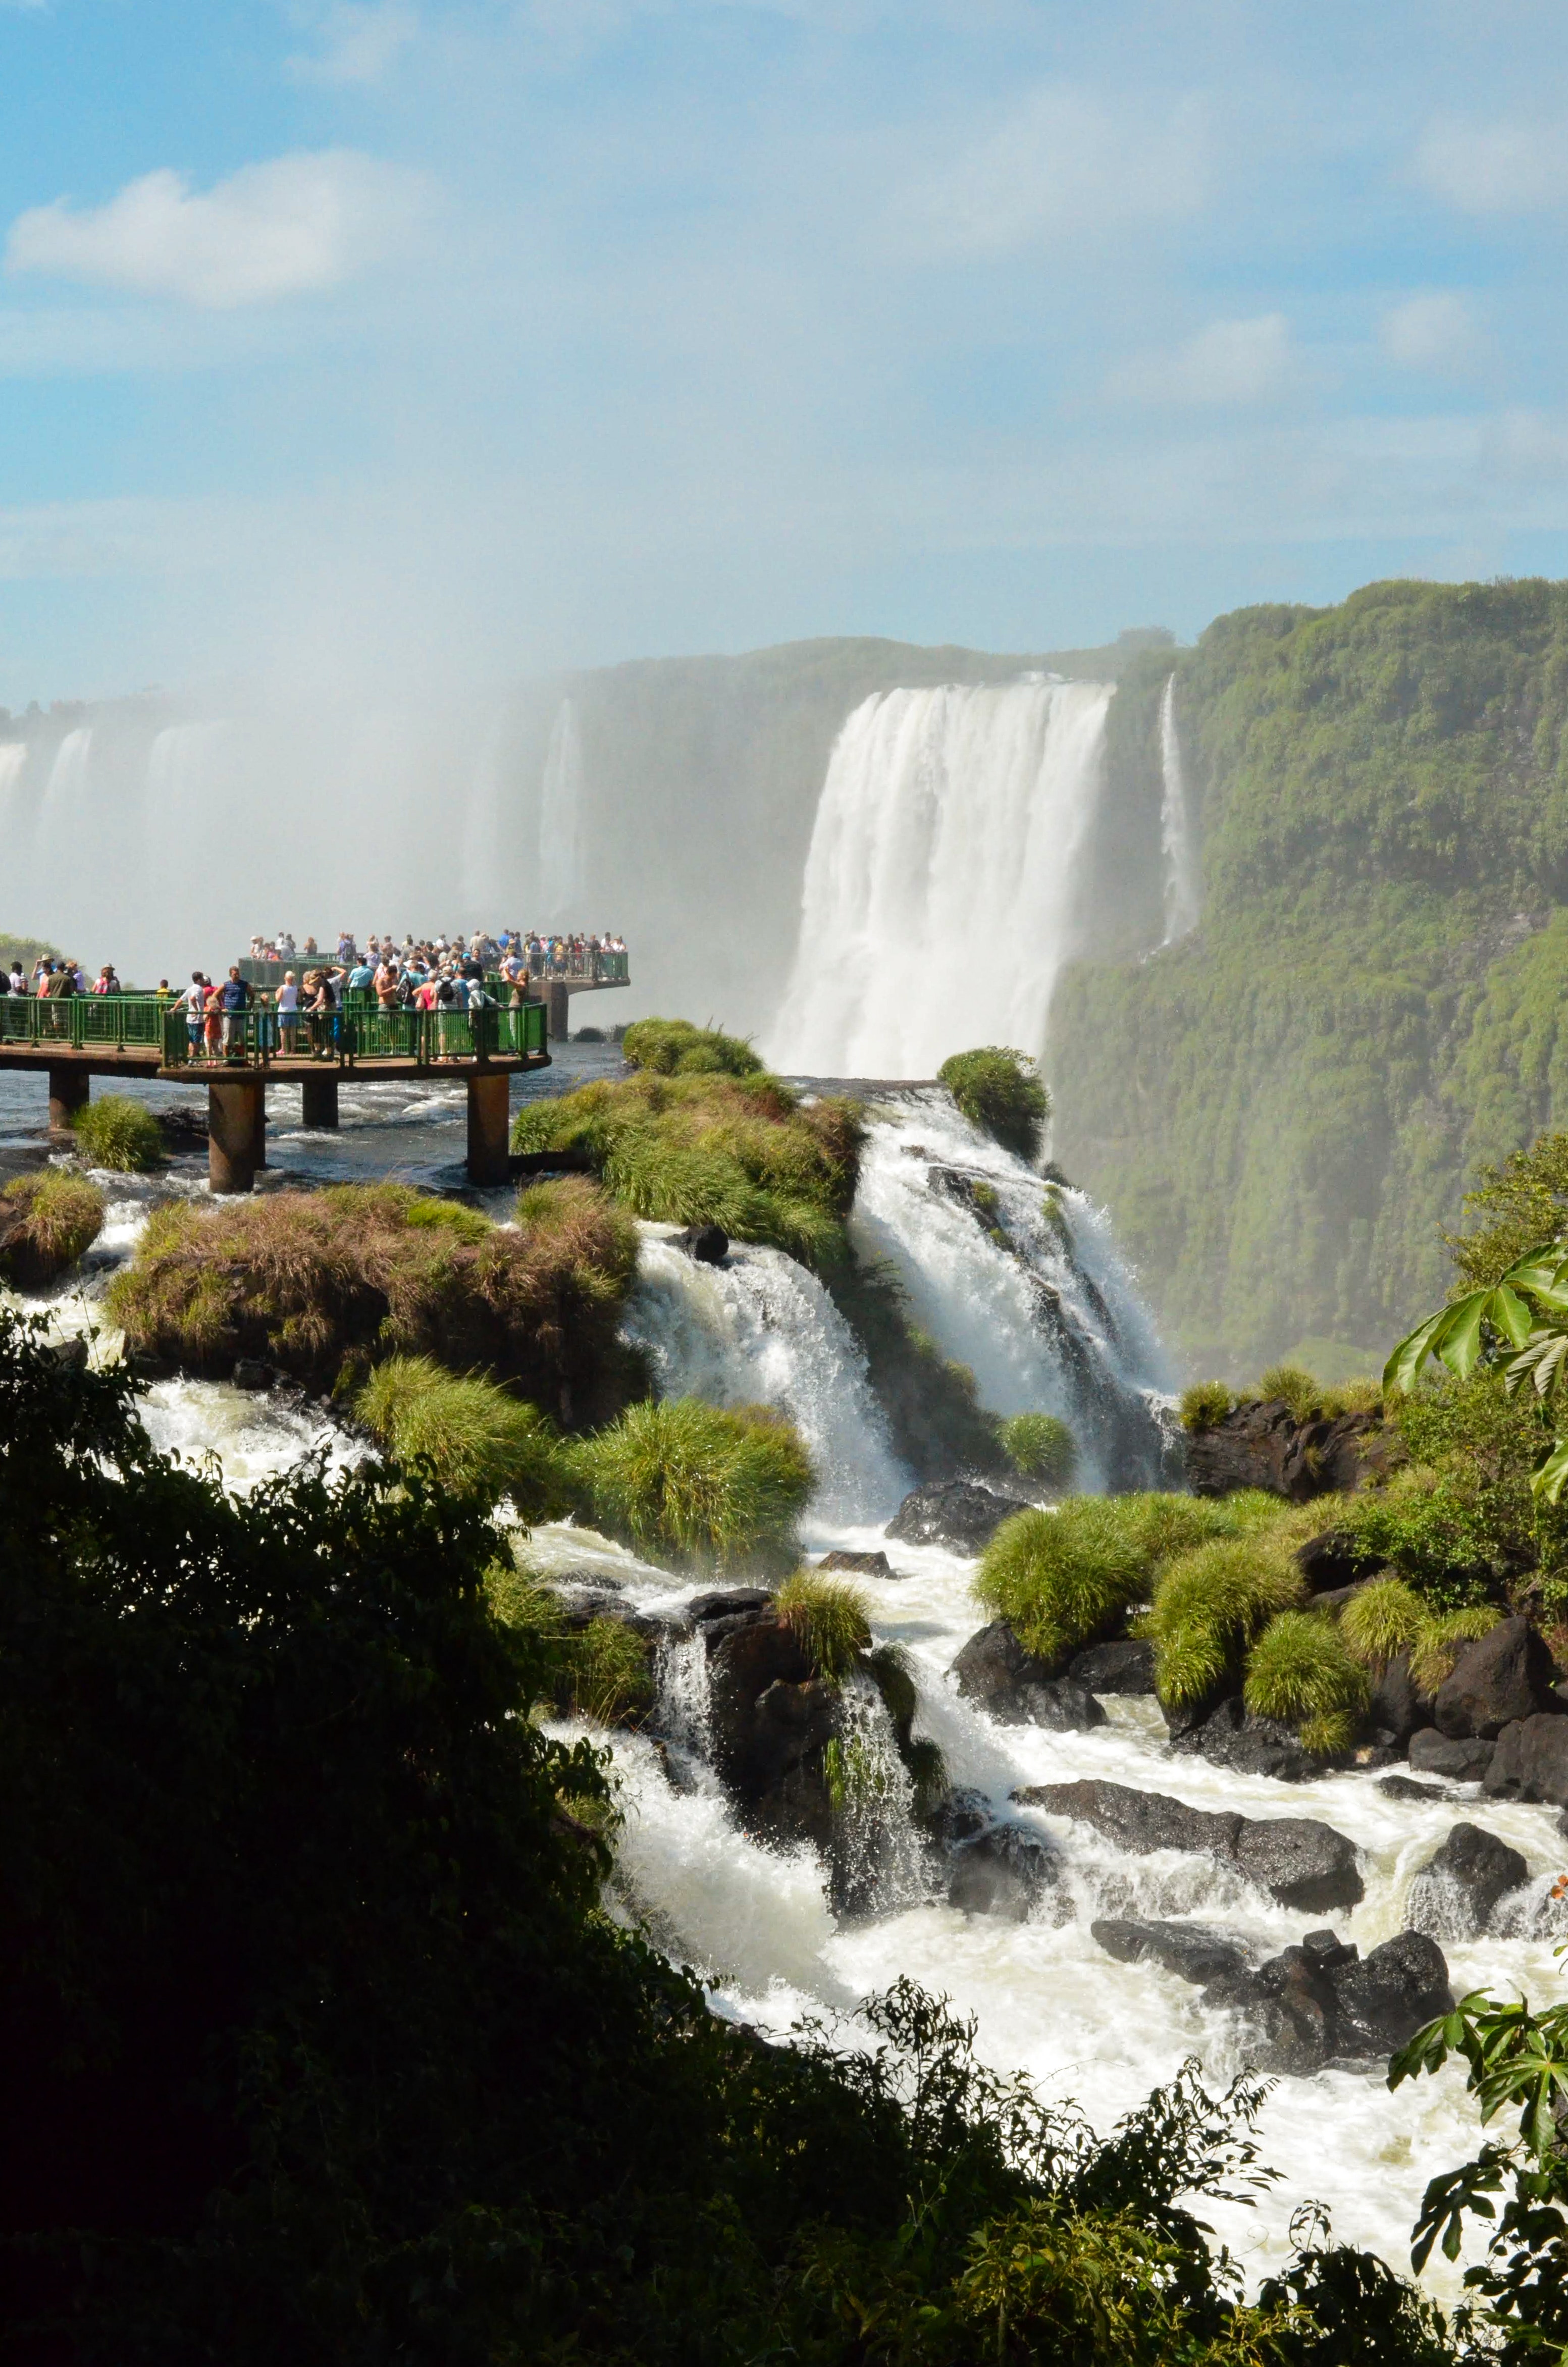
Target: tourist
(212,1020)
(164,995)
(361,977)
(18,981)
(236,997)
(193,999)
(322,1014)
(289,1015)
(105,981)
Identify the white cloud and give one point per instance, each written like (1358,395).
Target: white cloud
(1229,362)
(1434,332)
(360,39)
(295,226)
(1495,168)
(1065,164)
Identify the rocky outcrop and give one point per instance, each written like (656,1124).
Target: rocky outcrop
(1005,1870)
(1193,1951)
(1530,1762)
(1503,1676)
(1231,1737)
(1401,1787)
(1262,1445)
(1455,1896)
(862,1564)
(771,1723)
(956,1513)
(1124,1666)
(999,1676)
(1300,1861)
(1323,2002)
(709,1244)
(1397,1708)
(1432,1753)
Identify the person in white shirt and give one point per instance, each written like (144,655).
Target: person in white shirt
(288,1013)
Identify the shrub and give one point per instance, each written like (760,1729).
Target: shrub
(1000,1092)
(46,1222)
(1381,1621)
(1204,1404)
(474,1439)
(1062,1578)
(1297,1389)
(1301,1671)
(1042,1447)
(1438,1646)
(832,1622)
(709,1487)
(119,1133)
(674,1048)
(1210,1604)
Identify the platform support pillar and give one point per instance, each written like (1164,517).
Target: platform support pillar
(559,1011)
(69,1090)
(489,1112)
(234,1120)
(320,1100)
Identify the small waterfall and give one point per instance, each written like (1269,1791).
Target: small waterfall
(940,887)
(1182,887)
(760,1330)
(681,1687)
(878,1863)
(13,757)
(561,818)
(1018,1280)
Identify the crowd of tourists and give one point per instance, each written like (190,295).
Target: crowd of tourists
(530,953)
(57,980)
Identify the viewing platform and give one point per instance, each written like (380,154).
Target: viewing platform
(80,1036)
(553,989)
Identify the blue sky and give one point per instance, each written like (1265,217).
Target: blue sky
(450,338)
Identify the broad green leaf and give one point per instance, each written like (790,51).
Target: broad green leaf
(1541,1360)
(1550,1476)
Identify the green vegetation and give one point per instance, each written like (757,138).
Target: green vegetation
(599,1669)
(115,1132)
(832,1621)
(1518,1204)
(46,1222)
(741,1151)
(1211,1605)
(1040,1448)
(327,1283)
(1383,1620)
(1204,1403)
(674,1048)
(720,1490)
(1281,1112)
(1000,1092)
(1303,1671)
(29,951)
(1438,1644)
(470,1434)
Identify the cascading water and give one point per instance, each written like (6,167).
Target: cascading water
(559,817)
(1182,885)
(939,896)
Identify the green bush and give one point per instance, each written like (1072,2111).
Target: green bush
(1000,1092)
(674,1048)
(1298,1389)
(1301,1671)
(1040,1448)
(46,1222)
(1210,1604)
(117,1132)
(472,1436)
(1205,1403)
(832,1622)
(1383,1620)
(1438,1646)
(716,1488)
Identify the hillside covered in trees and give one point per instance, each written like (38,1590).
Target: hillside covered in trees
(1282,1110)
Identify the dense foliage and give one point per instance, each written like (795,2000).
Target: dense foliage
(46,1222)
(1281,1110)
(674,1048)
(699,1484)
(115,1132)
(1000,1092)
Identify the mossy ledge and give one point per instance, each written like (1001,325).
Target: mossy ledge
(46,1222)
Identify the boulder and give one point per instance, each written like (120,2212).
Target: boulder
(1321,2002)
(951,1513)
(1432,1753)
(1401,1787)
(996,1672)
(1530,1762)
(1261,1444)
(1193,1951)
(1503,1676)
(709,1244)
(867,1565)
(1231,1737)
(1397,1709)
(1384,1999)
(959,1816)
(1332,1565)
(251,1374)
(767,1712)
(1456,1895)
(1124,1666)
(1303,1862)
(1005,1871)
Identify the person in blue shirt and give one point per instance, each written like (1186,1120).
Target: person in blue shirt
(236,1001)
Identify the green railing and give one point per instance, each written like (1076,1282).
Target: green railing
(80,1022)
(257,1037)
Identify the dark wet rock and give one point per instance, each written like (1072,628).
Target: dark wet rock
(1231,1737)
(994,1671)
(723,1604)
(1384,1999)
(956,1513)
(958,1817)
(1005,1871)
(1261,1444)
(1303,1862)
(1063,1707)
(1432,1753)
(250,1375)
(867,1565)
(1123,1667)
(1455,1896)
(1530,1762)
(1321,2002)
(1333,1565)
(1193,1951)
(1401,1787)
(1503,1676)
(709,1244)
(1397,1708)
(69,1353)
(768,1713)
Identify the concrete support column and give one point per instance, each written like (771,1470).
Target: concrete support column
(320,1101)
(233,1121)
(489,1113)
(69,1090)
(559,1021)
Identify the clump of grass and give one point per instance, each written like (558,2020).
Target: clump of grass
(46,1222)
(1364,1395)
(1303,1671)
(1384,1619)
(709,1487)
(1000,1091)
(1210,1604)
(1295,1388)
(600,1671)
(468,1433)
(117,1132)
(1204,1404)
(832,1623)
(674,1048)
(1040,1448)
(742,1152)
(1438,1646)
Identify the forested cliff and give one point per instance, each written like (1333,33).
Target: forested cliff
(1282,1109)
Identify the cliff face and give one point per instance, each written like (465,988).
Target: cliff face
(1283,1109)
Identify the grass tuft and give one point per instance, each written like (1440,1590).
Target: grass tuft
(472,1437)
(46,1222)
(1440,1642)
(674,1048)
(1210,1604)
(832,1623)
(1386,1618)
(1000,1092)
(1204,1404)
(1303,1671)
(712,1487)
(1295,1388)
(1040,1448)
(119,1133)
(1061,1580)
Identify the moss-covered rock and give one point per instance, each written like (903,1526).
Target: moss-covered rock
(46,1222)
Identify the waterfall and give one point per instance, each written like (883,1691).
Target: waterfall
(1017,1279)
(561,817)
(939,894)
(1183,887)
(760,1330)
